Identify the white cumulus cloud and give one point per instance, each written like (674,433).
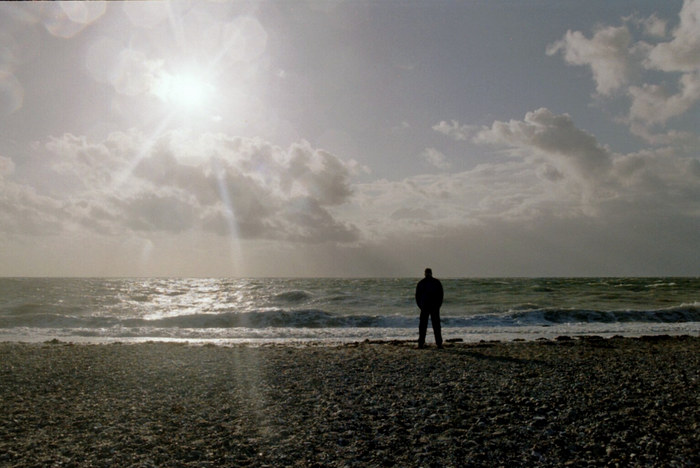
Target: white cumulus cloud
(682,53)
(654,104)
(454,130)
(621,64)
(607,53)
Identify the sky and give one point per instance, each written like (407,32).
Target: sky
(350,138)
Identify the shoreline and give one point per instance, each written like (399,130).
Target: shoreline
(337,336)
(577,401)
(301,343)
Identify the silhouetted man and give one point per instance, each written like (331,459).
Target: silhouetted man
(429,299)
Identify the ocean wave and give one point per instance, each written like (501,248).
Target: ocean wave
(522,316)
(680,314)
(316,318)
(52,320)
(292,297)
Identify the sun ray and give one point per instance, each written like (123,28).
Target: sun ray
(232,224)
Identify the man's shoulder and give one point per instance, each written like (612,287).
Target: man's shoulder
(429,280)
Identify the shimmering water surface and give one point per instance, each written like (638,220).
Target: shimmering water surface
(336,310)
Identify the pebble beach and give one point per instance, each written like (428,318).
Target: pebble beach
(567,402)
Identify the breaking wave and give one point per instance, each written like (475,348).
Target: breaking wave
(35,317)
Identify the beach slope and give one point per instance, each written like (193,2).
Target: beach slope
(632,402)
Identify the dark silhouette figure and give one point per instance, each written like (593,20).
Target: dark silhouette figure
(429,296)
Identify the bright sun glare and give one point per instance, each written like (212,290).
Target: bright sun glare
(185,91)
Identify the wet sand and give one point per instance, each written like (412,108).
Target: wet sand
(577,402)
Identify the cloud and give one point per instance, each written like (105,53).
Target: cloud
(435,158)
(454,130)
(411,213)
(653,104)
(561,171)
(682,53)
(607,53)
(324,175)
(564,194)
(615,60)
(153,212)
(11,93)
(25,212)
(517,216)
(654,26)
(425,206)
(7,166)
(686,142)
(520,217)
(554,137)
(136,74)
(231,186)
(619,64)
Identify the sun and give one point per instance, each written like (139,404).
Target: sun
(184,91)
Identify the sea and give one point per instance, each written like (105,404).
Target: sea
(331,310)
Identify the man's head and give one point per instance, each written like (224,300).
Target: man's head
(428,273)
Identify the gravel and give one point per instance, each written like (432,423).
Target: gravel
(566,402)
